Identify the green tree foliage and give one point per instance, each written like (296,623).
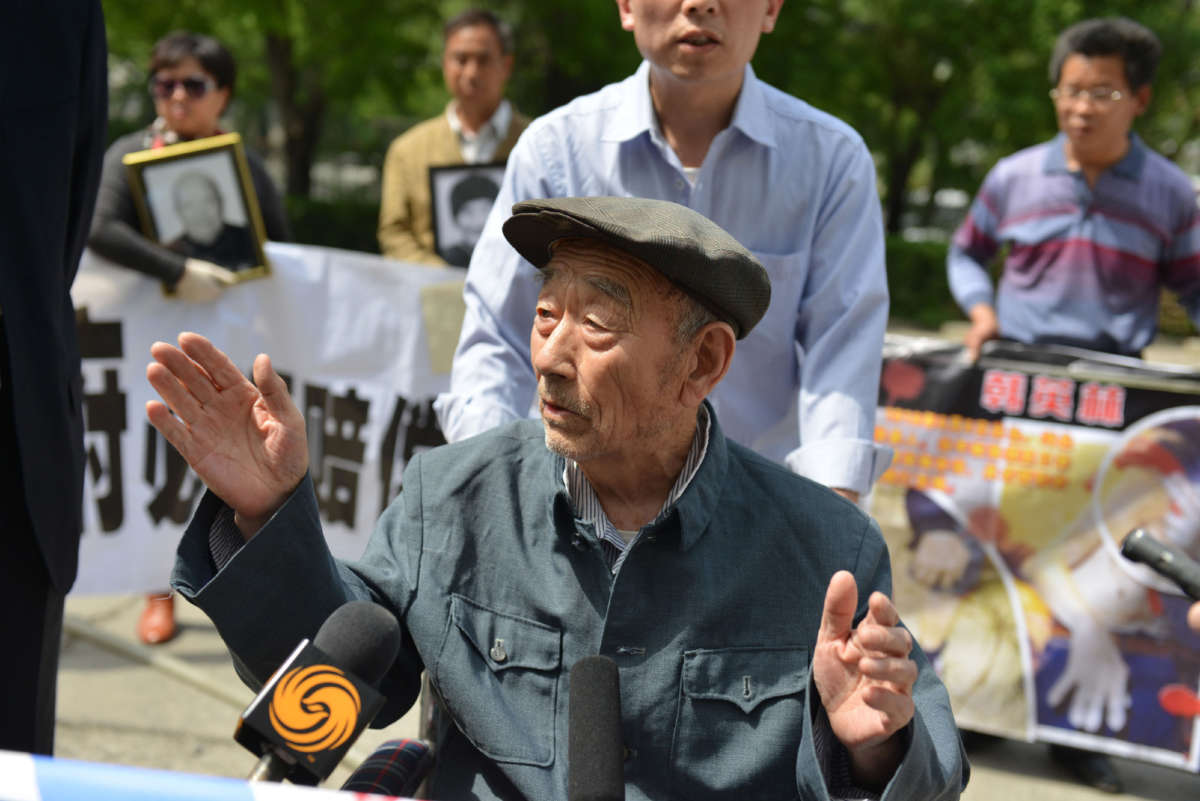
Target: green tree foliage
(301,62)
(939,89)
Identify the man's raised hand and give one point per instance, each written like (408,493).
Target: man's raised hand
(245,442)
(865,678)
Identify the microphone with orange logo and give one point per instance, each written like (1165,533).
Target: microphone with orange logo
(320,699)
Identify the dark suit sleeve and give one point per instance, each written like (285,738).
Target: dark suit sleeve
(89,142)
(54,96)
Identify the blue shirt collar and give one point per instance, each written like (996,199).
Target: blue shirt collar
(1130,166)
(633,115)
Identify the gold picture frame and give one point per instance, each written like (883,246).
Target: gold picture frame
(197,198)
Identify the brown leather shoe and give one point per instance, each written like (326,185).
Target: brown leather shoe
(157,624)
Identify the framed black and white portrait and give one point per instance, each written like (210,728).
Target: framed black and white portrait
(462,197)
(197,198)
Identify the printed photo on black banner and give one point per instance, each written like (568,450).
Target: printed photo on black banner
(462,198)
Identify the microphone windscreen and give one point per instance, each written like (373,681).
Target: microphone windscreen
(395,768)
(595,746)
(362,637)
(1164,559)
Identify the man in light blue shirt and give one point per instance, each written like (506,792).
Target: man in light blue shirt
(793,184)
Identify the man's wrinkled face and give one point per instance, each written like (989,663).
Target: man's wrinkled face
(603,348)
(699,40)
(1096,128)
(199,205)
(475,66)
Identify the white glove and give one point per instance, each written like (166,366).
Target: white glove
(202,281)
(941,559)
(1097,675)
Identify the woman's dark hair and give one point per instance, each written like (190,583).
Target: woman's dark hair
(1136,45)
(175,47)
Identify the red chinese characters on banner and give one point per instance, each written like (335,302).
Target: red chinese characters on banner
(1009,392)
(1003,391)
(1052,397)
(1101,405)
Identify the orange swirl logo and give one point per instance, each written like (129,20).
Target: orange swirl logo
(315,708)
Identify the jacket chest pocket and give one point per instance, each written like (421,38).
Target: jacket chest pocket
(740,722)
(497,675)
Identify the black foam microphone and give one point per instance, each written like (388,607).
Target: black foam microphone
(1164,559)
(595,747)
(315,705)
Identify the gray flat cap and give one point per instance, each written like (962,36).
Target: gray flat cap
(694,253)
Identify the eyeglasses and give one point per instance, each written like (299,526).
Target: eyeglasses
(1100,95)
(196,86)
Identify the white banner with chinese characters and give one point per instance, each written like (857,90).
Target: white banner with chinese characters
(1013,483)
(365,344)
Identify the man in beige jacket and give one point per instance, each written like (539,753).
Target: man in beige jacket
(478,127)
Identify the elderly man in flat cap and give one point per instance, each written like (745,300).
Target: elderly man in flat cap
(746,607)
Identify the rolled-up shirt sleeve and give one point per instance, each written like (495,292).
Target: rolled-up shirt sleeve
(842,318)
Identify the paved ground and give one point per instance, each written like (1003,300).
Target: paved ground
(175,706)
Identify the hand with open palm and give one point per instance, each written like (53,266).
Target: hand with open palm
(246,441)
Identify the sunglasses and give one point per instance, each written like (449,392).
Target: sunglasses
(196,86)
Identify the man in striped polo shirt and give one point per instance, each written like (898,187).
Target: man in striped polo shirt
(1095,221)
(1095,224)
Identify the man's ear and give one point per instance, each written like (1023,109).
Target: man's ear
(1142,96)
(712,352)
(626,14)
(773,9)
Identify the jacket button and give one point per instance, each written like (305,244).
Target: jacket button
(498,652)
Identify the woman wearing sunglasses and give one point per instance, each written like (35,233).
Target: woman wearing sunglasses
(191,82)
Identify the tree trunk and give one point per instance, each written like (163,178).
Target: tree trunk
(301,102)
(900,164)
(937,161)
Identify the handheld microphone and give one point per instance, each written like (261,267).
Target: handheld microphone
(595,747)
(315,705)
(396,768)
(1164,559)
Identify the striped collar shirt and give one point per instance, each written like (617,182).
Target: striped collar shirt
(480,147)
(589,512)
(1083,264)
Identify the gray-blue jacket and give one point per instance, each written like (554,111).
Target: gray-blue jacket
(712,620)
